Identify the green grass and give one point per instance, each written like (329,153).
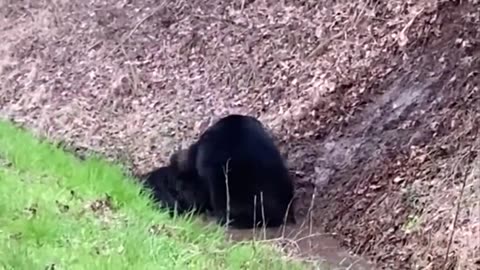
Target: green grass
(46,218)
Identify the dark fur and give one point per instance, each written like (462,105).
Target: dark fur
(174,192)
(255,166)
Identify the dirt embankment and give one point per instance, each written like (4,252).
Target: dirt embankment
(404,171)
(375,103)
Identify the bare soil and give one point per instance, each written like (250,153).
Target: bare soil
(375,104)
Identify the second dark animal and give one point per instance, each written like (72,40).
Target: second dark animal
(176,192)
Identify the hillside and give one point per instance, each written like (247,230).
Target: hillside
(374,103)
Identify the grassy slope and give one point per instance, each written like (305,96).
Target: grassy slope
(46,218)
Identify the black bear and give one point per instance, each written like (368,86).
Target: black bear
(175,192)
(239,147)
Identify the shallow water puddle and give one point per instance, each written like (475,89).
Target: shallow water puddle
(305,243)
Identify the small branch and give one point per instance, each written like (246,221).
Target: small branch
(225,172)
(457,212)
(285,218)
(133,73)
(125,37)
(254,216)
(264,225)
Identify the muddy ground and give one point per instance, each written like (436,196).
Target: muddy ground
(374,103)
